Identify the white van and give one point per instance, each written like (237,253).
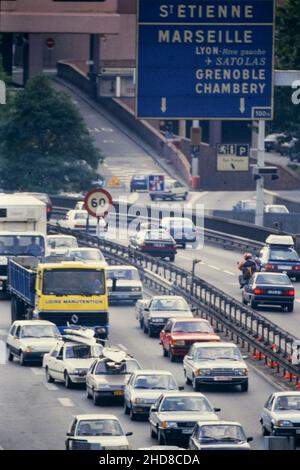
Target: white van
(22,213)
(172,190)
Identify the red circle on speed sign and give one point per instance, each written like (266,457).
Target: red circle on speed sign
(98,202)
(50,43)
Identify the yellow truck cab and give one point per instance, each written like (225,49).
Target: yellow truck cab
(67,293)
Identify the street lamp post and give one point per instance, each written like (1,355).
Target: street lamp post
(195,262)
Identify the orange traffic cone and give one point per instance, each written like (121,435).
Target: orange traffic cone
(258,356)
(273,364)
(289,376)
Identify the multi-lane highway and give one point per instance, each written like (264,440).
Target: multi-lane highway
(36,415)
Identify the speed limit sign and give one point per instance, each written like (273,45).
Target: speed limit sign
(98,202)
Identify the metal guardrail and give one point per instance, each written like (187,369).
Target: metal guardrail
(247,327)
(227,241)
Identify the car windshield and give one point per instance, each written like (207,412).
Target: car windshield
(192,327)
(288,254)
(74,282)
(123,274)
(108,367)
(278,209)
(62,242)
(39,331)
(287,403)
(22,245)
(99,427)
(169,305)
(186,404)
(211,353)
(83,351)
(277,280)
(218,432)
(155,382)
(88,255)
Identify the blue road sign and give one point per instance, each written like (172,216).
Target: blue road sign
(156,183)
(209,59)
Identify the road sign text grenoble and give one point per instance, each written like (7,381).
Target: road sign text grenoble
(207,61)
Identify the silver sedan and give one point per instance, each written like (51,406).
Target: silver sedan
(281,414)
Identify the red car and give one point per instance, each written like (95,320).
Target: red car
(180,333)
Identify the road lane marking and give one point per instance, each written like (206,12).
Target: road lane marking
(214,267)
(121,346)
(230,273)
(65,402)
(50,387)
(36,371)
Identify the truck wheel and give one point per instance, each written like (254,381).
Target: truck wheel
(49,379)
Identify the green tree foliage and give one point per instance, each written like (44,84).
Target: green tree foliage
(287,114)
(44,143)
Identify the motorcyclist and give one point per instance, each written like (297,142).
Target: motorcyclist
(248,267)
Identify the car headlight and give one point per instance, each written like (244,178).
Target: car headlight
(140,401)
(28,349)
(202,372)
(169,424)
(284,422)
(80,371)
(102,386)
(240,371)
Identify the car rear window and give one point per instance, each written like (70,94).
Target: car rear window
(287,254)
(280,279)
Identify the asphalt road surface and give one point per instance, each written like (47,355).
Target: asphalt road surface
(35,415)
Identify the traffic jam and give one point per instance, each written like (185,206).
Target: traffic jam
(61,293)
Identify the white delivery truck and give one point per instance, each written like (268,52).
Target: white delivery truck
(23,229)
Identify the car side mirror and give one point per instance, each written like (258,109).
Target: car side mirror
(130,433)
(217,410)
(249,439)
(194,309)
(181,387)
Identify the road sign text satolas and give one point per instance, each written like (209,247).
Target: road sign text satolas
(98,202)
(205,60)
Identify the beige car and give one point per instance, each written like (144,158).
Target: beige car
(172,190)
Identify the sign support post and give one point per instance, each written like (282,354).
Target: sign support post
(259,215)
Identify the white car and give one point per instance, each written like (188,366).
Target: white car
(124,283)
(281,414)
(172,190)
(69,361)
(221,435)
(87,255)
(79,206)
(29,340)
(143,389)
(97,432)
(276,209)
(78,220)
(60,244)
(108,375)
(214,364)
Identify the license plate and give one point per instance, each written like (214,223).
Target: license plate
(275,292)
(285,267)
(221,379)
(187,431)
(158,245)
(119,392)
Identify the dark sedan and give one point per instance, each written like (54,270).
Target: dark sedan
(272,289)
(282,259)
(157,243)
(138,183)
